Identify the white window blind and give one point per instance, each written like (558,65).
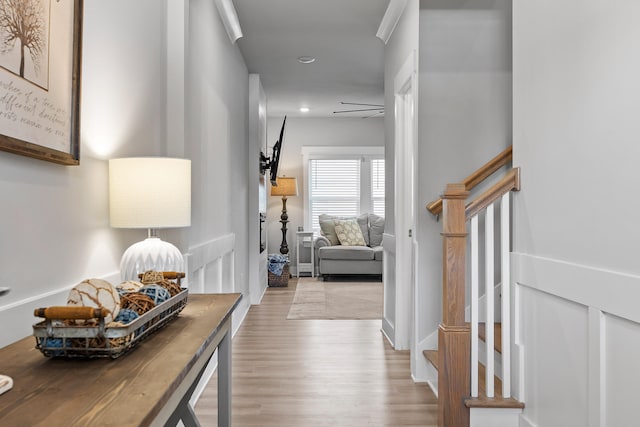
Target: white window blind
(345,186)
(377,186)
(334,188)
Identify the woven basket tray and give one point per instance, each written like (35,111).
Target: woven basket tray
(281,280)
(54,338)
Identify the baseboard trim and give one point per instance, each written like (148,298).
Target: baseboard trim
(525,422)
(387,332)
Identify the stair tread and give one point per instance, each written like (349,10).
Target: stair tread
(482,401)
(497,335)
(432,357)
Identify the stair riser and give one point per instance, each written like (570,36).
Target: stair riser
(494,417)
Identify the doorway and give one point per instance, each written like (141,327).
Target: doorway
(405,96)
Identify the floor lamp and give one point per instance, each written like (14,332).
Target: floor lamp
(286,186)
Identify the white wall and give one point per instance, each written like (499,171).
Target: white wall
(217,112)
(464,117)
(257,188)
(55,228)
(576,68)
(402,43)
(300,132)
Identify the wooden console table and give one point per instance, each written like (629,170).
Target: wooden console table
(150,386)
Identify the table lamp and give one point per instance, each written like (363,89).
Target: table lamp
(286,186)
(151,193)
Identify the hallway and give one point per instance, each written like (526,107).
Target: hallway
(305,373)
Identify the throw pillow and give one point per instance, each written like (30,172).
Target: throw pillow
(376,230)
(327,228)
(349,232)
(363,222)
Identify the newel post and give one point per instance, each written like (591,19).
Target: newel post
(454,334)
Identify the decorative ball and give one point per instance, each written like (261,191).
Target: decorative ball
(172,287)
(151,277)
(157,293)
(124,317)
(140,303)
(96,293)
(49,343)
(129,286)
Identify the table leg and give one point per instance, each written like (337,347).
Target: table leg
(224,381)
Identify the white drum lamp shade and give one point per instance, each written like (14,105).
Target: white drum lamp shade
(151,193)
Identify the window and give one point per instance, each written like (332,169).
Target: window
(343,185)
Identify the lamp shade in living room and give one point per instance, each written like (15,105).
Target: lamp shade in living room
(151,193)
(287,186)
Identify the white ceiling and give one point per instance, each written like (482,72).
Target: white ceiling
(340,34)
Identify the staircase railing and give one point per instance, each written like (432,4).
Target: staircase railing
(458,344)
(477,177)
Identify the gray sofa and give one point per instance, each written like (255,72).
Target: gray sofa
(335,259)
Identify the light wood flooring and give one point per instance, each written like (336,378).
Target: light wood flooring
(306,373)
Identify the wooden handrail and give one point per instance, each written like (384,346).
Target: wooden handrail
(511,181)
(477,177)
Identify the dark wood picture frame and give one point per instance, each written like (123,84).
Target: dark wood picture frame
(38,151)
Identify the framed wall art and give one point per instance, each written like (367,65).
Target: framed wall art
(40,61)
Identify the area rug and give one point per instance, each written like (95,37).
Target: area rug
(315,299)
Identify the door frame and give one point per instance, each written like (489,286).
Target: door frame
(405,91)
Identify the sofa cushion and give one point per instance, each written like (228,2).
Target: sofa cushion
(377,253)
(363,222)
(376,230)
(349,233)
(327,227)
(346,253)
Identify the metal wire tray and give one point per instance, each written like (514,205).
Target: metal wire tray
(55,339)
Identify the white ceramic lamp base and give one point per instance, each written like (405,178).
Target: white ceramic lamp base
(6,383)
(150,254)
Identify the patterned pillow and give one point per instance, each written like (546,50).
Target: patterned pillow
(349,232)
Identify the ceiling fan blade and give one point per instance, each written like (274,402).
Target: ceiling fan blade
(357,103)
(355,111)
(373,115)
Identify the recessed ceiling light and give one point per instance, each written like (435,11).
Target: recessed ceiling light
(304,109)
(306,59)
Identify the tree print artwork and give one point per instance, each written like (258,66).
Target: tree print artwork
(24,33)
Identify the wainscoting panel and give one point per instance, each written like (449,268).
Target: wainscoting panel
(621,357)
(556,339)
(577,343)
(210,266)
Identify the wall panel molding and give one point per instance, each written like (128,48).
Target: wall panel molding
(578,336)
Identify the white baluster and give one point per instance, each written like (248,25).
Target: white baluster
(505,247)
(474,306)
(489,284)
